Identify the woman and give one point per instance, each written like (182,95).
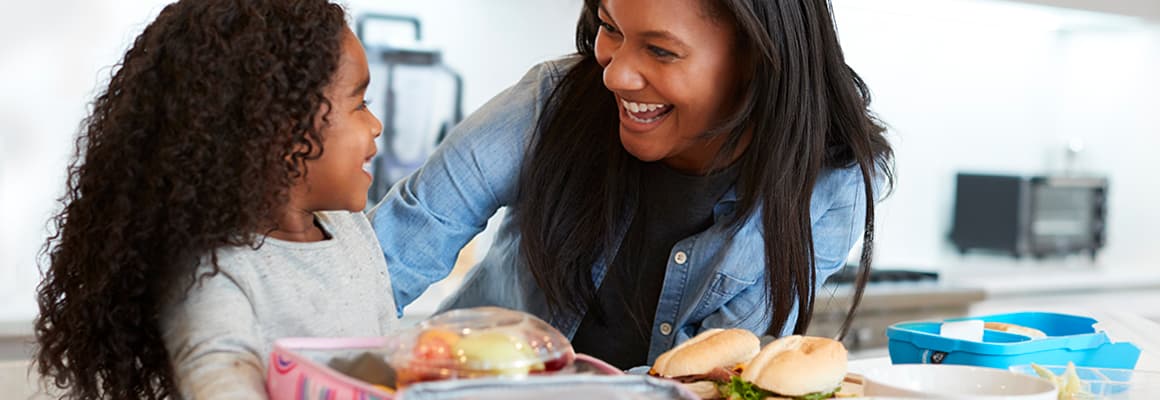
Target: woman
(698,164)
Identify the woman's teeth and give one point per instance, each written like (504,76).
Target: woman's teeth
(641,107)
(644,112)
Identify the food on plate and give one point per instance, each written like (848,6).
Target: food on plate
(1016,329)
(707,360)
(1069,385)
(792,367)
(498,352)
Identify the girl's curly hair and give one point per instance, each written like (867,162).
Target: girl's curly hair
(193,146)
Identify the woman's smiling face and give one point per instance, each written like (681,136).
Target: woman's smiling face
(675,72)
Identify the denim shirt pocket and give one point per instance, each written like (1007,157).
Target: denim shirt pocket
(723,288)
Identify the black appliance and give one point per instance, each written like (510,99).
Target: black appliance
(1034,216)
(421,99)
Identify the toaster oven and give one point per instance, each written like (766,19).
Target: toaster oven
(1035,216)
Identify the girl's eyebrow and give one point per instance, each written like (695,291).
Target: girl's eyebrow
(361,88)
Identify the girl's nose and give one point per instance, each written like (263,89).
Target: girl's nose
(377,126)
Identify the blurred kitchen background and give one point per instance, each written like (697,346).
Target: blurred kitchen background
(1027,128)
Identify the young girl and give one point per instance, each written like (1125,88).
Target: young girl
(697,164)
(215,204)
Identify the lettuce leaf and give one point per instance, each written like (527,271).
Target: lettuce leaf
(739,389)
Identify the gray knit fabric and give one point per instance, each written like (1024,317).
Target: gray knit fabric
(219,336)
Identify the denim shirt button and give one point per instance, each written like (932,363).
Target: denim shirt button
(666,328)
(680,257)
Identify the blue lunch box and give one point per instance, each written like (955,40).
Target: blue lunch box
(1069,338)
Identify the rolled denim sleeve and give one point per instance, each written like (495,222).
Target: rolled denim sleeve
(427,217)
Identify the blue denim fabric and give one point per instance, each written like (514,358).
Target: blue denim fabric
(429,216)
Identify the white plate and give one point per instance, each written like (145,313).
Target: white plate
(931,381)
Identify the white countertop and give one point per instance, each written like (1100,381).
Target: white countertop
(1006,281)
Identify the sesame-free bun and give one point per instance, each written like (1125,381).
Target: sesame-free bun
(798,365)
(711,349)
(1016,329)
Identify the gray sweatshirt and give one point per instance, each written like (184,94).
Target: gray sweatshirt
(219,335)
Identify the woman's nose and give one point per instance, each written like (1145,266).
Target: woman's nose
(621,75)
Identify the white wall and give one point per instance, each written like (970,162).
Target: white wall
(52,54)
(957,95)
(995,87)
(1110,101)
(962,84)
(1145,8)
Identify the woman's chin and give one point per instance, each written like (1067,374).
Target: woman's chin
(641,152)
(644,157)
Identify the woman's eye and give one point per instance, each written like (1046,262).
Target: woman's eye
(365,103)
(607,27)
(661,53)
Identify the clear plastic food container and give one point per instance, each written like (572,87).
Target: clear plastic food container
(1107,383)
(478,342)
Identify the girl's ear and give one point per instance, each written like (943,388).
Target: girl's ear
(301,152)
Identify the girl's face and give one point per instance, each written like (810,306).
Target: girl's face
(675,74)
(339,180)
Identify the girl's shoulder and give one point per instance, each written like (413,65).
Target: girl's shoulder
(351,230)
(345,221)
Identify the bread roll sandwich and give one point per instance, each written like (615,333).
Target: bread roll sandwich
(707,360)
(792,367)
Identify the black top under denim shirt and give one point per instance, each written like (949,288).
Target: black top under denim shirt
(672,207)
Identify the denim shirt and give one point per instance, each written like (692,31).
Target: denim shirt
(714,279)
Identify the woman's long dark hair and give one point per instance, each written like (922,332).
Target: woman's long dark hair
(807,110)
(193,146)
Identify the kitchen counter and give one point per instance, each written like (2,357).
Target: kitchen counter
(16,340)
(1054,287)
(1003,281)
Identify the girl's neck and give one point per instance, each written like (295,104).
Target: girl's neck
(298,226)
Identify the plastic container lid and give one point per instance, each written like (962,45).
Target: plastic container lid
(478,342)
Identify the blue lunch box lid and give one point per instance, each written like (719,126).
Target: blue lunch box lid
(1064,331)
